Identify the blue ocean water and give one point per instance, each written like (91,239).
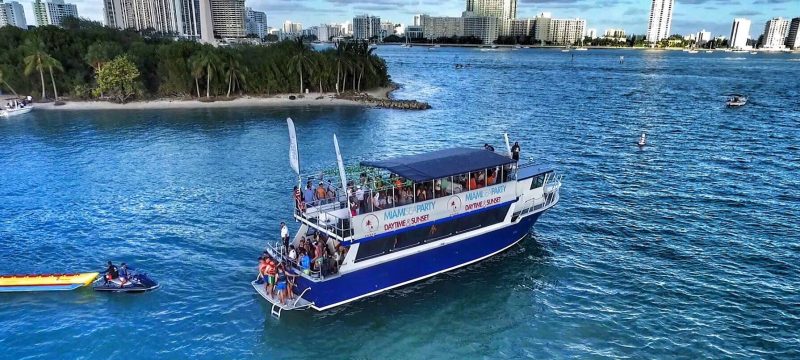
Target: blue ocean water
(688,248)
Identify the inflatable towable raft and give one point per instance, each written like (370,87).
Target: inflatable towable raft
(45,282)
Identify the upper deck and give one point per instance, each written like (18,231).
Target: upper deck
(399,193)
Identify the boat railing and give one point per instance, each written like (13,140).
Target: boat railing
(331,215)
(550,196)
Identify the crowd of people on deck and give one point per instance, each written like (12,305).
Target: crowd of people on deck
(374,192)
(315,254)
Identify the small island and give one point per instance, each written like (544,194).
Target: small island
(86,66)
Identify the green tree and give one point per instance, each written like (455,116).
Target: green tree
(101,52)
(119,78)
(205,63)
(38,60)
(301,60)
(3,81)
(233,71)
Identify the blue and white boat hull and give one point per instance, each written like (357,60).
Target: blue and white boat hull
(372,280)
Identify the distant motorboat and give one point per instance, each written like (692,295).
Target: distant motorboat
(692,51)
(15,107)
(581,49)
(753,52)
(709,51)
(736,100)
(642,140)
(527,47)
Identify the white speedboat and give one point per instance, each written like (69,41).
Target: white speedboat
(581,49)
(736,100)
(15,107)
(692,51)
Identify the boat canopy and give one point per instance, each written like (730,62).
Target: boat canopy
(441,163)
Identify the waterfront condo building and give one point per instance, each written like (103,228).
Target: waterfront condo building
(775,31)
(504,10)
(566,31)
(53,12)
(658,27)
(12,14)
(541,28)
(522,27)
(703,37)
(487,28)
(740,32)
(793,37)
(256,23)
(227,18)
(366,27)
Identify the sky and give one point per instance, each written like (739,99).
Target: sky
(689,16)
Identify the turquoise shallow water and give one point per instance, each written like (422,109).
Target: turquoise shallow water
(689,248)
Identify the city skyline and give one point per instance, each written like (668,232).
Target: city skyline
(689,15)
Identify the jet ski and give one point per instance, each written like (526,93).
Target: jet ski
(137,282)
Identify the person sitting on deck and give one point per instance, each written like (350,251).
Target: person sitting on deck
(123,275)
(292,254)
(111,272)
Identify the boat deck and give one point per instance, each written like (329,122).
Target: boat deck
(298,303)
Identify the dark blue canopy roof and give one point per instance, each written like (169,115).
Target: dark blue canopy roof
(441,163)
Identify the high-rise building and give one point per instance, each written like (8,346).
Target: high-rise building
(793,36)
(227,17)
(160,15)
(113,14)
(660,22)
(52,12)
(486,28)
(566,31)
(703,37)
(591,33)
(366,27)
(417,20)
(541,28)
(740,32)
(522,27)
(775,31)
(614,34)
(256,23)
(434,27)
(504,10)
(292,28)
(12,14)
(387,28)
(206,23)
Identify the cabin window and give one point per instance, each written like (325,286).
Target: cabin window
(538,180)
(433,232)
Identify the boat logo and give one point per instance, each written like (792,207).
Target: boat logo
(454,204)
(370,223)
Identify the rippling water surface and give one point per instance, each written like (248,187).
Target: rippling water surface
(687,248)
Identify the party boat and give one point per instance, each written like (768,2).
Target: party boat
(449,208)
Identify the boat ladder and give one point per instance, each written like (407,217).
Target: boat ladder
(277,308)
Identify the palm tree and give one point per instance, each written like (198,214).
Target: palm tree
(38,60)
(233,71)
(3,81)
(341,61)
(206,60)
(301,60)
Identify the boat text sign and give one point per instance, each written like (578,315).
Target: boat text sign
(406,216)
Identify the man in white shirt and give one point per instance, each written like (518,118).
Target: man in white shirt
(360,198)
(285,237)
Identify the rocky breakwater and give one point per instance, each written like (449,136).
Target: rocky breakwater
(387,103)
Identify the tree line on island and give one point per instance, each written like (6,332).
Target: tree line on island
(85,60)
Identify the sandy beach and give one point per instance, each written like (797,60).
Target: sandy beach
(310,99)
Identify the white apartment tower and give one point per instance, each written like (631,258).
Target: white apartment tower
(52,12)
(740,32)
(660,20)
(12,14)
(504,10)
(793,37)
(366,27)
(228,18)
(775,32)
(256,22)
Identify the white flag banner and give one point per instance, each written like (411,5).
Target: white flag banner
(341,164)
(508,145)
(294,158)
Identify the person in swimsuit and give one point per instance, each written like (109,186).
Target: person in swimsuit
(280,286)
(271,269)
(123,275)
